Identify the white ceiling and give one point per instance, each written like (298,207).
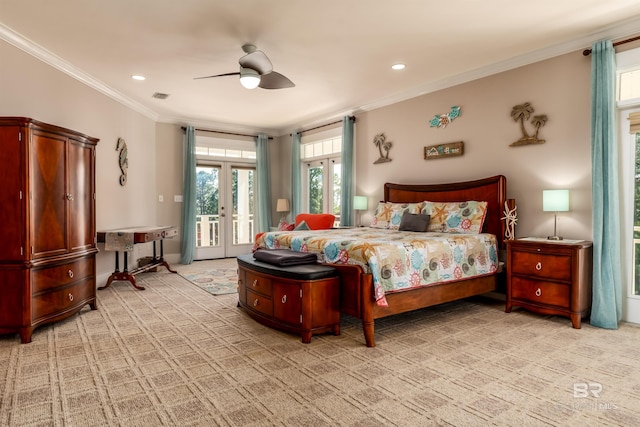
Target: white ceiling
(338,52)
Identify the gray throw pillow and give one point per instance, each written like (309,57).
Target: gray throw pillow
(302,226)
(414,222)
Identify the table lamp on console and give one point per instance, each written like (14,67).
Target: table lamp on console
(282,206)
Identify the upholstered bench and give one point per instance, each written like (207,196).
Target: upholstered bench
(303,299)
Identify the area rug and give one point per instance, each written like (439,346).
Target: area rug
(218,281)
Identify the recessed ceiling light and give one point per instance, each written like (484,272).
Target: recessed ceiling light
(138,77)
(398,66)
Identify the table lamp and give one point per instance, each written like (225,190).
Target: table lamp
(555,201)
(282,206)
(359,204)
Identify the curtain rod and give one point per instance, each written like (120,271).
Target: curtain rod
(587,52)
(222,132)
(325,125)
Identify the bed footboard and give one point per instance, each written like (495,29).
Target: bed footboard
(357,299)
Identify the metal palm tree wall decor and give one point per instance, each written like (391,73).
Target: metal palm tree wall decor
(522,113)
(380,141)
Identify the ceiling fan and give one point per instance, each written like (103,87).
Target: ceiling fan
(256,70)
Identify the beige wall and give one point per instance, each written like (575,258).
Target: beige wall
(559,88)
(169,179)
(31,88)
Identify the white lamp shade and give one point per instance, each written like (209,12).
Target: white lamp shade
(555,200)
(360,203)
(249,78)
(282,205)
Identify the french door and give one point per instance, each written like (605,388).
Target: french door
(225,207)
(630,168)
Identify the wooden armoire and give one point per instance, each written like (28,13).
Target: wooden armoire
(47,224)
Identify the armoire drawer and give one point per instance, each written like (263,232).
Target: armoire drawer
(60,275)
(49,304)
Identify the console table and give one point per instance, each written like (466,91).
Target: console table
(123,239)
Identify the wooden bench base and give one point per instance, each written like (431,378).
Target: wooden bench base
(301,299)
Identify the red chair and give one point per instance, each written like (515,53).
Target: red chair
(321,221)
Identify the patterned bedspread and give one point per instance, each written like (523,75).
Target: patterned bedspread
(396,259)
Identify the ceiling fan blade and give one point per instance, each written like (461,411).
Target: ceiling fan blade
(258,61)
(218,75)
(275,80)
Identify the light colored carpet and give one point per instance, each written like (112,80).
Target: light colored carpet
(175,355)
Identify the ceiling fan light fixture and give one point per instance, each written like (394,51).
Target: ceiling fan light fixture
(249,78)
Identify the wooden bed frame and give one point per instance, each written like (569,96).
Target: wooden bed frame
(357,296)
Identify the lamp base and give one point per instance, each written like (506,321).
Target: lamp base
(554,238)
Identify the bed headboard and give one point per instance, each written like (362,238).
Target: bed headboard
(493,190)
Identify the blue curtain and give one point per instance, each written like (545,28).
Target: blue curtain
(346,186)
(606,310)
(263,184)
(296,179)
(188,242)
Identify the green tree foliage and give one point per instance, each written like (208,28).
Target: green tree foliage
(207,191)
(315,190)
(234,190)
(337,192)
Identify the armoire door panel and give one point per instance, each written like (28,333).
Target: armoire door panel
(13,195)
(81,202)
(48,195)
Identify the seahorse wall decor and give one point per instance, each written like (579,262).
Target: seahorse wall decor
(380,141)
(520,113)
(123,161)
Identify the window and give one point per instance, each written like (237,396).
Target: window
(628,93)
(208,147)
(322,174)
(628,85)
(635,286)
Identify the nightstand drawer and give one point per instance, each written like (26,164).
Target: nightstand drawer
(540,265)
(540,292)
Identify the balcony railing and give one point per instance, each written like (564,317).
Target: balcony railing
(208,230)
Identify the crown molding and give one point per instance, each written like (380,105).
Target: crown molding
(37,51)
(620,30)
(218,126)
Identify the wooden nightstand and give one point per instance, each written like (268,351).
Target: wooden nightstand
(550,277)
